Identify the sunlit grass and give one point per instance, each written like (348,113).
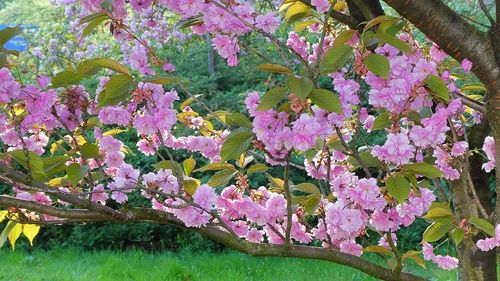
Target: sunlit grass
(71,264)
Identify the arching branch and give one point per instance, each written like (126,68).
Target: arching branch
(129,215)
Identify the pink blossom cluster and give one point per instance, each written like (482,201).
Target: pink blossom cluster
(489,149)
(490,243)
(404,90)
(444,262)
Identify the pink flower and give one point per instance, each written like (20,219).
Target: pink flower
(466,65)
(110,144)
(351,248)
(145,125)
(192,217)
(254,235)
(140,5)
(114,115)
(268,22)
(397,149)
(489,149)
(114,159)
(43,81)
(205,196)
(227,48)
(444,262)
(486,244)
(168,67)
(459,148)
(119,197)
(100,197)
(322,6)
(428,251)
(276,206)
(139,61)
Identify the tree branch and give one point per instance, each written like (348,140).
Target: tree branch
(78,214)
(128,215)
(340,17)
(19,177)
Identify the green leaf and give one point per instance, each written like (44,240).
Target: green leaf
(378,249)
(6,231)
(436,231)
(66,78)
(378,20)
(275,183)
(53,165)
(163,80)
(303,25)
(8,33)
(168,165)
(343,37)
(222,178)
(3,215)
(424,169)
(216,166)
(235,144)
(116,90)
(398,187)
(90,67)
(93,24)
(91,17)
(312,203)
(335,58)
(473,87)
(326,99)
(275,68)
(90,150)
(307,188)
(3,59)
(257,168)
(377,64)
(76,173)
(107,5)
(368,159)
(271,98)
(382,121)
(238,119)
(36,163)
(457,235)
(189,165)
(440,212)
(190,185)
(296,12)
(393,41)
(438,87)
(301,87)
(484,225)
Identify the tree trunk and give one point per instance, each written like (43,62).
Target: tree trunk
(212,66)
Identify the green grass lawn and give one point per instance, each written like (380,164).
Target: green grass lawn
(71,264)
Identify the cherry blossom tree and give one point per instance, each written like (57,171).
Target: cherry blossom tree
(347,72)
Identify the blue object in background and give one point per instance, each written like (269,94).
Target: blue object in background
(18,43)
